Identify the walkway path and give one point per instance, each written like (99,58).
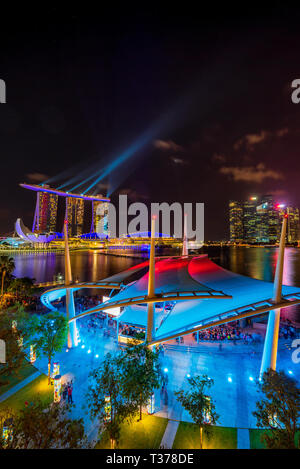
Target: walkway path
(243,438)
(169,435)
(19,386)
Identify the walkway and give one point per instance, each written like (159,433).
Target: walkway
(19,386)
(169,435)
(243,438)
(234,390)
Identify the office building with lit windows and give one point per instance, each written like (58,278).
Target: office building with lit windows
(75,215)
(292,224)
(46,214)
(236,221)
(250,220)
(101,219)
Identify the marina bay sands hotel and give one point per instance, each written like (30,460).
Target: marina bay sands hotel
(77,209)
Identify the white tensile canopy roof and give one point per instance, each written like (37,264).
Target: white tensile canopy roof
(194,274)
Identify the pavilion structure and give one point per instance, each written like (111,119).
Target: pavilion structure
(205,296)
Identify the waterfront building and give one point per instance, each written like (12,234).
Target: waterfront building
(292,224)
(268,221)
(274,225)
(45,215)
(75,215)
(262,223)
(236,221)
(95,216)
(250,220)
(45,221)
(100,218)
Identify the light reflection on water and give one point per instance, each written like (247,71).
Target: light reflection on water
(86,265)
(92,266)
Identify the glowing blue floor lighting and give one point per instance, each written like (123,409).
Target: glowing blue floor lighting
(89,351)
(290,372)
(229,379)
(166,370)
(83,346)
(188,375)
(97,356)
(251,378)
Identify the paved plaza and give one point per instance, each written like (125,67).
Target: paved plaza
(234,370)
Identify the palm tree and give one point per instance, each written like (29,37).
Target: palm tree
(7,266)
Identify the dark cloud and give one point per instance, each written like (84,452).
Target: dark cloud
(177,160)
(251,140)
(166,145)
(218,158)
(36,177)
(133,195)
(252,174)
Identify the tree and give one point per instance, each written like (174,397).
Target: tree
(141,374)
(279,411)
(7,266)
(16,329)
(37,427)
(51,334)
(106,399)
(22,287)
(199,405)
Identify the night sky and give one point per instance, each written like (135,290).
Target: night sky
(207,96)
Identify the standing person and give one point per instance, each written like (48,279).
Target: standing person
(70,390)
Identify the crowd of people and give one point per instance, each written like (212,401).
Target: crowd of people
(135,332)
(93,323)
(84,302)
(224,332)
(287,330)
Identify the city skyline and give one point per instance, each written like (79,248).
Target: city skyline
(258,219)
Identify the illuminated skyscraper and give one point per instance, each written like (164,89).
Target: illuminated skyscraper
(45,213)
(236,221)
(101,219)
(274,225)
(267,221)
(75,214)
(292,224)
(95,216)
(250,220)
